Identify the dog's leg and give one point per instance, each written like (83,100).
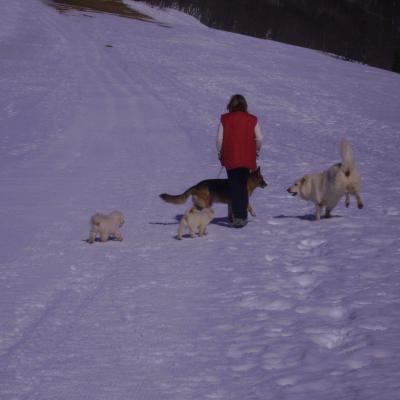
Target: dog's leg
(251,210)
(118,236)
(328,213)
(104,236)
(202,230)
(353,191)
(360,204)
(347,202)
(201,200)
(92,237)
(318,208)
(191,231)
(181,229)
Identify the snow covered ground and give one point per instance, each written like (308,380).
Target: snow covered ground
(99,112)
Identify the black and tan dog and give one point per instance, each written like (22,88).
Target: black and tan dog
(210,191)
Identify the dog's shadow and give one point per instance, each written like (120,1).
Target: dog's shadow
(177,219)
(111,238)
(167,223)
(307,217)
(221,221)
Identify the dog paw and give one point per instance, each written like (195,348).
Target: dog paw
(360,206)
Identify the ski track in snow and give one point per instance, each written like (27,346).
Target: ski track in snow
(287,308)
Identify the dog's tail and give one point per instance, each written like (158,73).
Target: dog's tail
(347,157)
(178,198)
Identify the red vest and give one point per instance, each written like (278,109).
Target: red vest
(239,141)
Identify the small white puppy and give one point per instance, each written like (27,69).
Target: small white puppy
(326,188)
(106,226)
(196,220)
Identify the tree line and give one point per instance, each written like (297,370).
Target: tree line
(367,31)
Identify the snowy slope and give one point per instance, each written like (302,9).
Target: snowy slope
(100,113)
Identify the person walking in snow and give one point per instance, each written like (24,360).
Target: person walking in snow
(239,141)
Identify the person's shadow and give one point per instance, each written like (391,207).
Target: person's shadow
(307,217)
(221,221)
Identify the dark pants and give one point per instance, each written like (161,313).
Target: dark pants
(237,181)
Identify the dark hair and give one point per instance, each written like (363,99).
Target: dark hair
(237,103)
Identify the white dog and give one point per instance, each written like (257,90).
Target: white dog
(106,226)
(326,188)
(196,220)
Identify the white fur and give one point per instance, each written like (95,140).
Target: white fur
(326,188)
(196,220)
(106,226)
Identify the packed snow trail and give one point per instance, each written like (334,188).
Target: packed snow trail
(104,113)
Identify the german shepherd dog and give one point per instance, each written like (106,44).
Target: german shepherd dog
(210,191)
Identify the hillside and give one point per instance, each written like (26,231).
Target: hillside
(366,31)
(100,112)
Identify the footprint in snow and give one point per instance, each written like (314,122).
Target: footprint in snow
(333,312)
(391,211)
(310,244)
(304,280)
(328,338)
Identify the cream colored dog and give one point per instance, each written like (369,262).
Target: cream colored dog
(196,220)
(326,188)
(106,226)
